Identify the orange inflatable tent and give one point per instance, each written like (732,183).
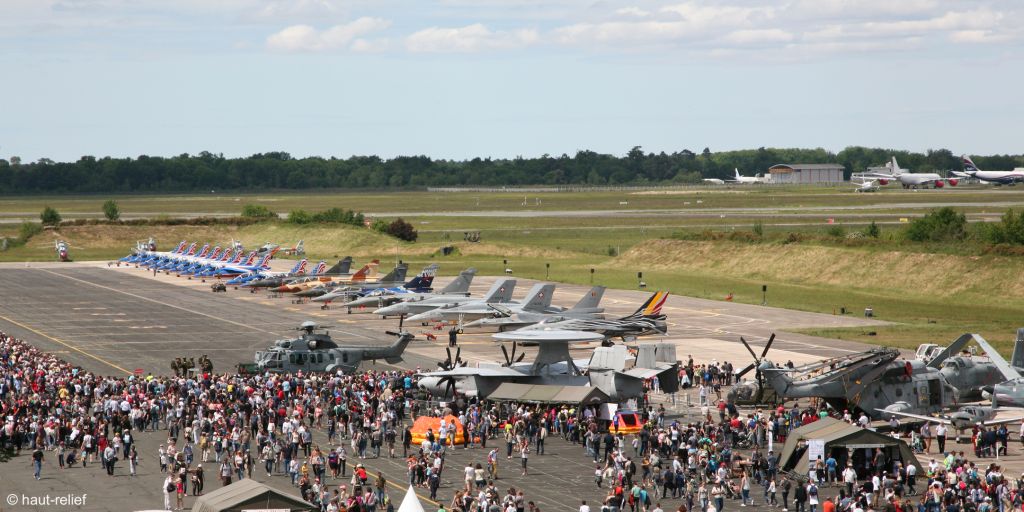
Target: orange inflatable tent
(424,423)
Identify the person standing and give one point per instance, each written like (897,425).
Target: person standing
(524,453)
(168,488)
(812,496)
(926,437)
(37,461)
(800,498)
(940,437)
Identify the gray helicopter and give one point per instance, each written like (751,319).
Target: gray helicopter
(316,352)
(878,382)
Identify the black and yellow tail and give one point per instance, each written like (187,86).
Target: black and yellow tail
(652,306)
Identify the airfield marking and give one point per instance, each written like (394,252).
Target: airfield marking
(72,347)
(157,302)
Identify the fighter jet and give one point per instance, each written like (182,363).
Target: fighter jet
(458,287)
(553,365)
(500,292)
(505,319)
(647,319)
(419,283)
(538,299)
(964,418)
(275,279)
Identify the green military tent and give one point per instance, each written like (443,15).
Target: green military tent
(847,443)
(248,494)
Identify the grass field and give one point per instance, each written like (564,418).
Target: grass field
(933,293)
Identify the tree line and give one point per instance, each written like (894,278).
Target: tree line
(279,170)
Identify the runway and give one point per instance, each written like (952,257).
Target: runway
(122,320)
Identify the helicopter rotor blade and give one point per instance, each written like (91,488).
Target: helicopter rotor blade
(521,356)
(745,344)
(744,371)
(508,360)
(768,345)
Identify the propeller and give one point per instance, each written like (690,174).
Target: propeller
(510,360)
(757,359)
(401,318)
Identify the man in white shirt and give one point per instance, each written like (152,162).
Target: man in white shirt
(584,507)
(940,437)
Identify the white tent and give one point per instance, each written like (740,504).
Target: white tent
(411,503)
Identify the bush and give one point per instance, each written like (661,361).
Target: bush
(257,211)
(1009,231)
(942,225)
(402,230)
(380,226)
(759,229)
(299,217)
(28,230)
(49,216)
(836,231)
(872,230)
(111,210)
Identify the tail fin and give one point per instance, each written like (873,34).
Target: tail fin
(737,171)
(361,274)
(341,267)
(501,291)
(430,270)
(227,255)
(969,164)
(591,300)
(215,252)
(204,251)
(251,258)
(320,268)
(191,249)
(396,275)
(181,247)
(539,297)
(461,283)
(1018,350)
(265,261)
(418,282)
(896,171)
(652,306)
(299,267)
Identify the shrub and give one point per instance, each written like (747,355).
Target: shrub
(836,231)
(111,210)
(380,226)
(1010,230)
(759,229)
(872,230)
(257,211)
(28,230)
(402,230)
(49,216)
(299,217)
(942,225)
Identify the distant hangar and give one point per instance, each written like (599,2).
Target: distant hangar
(806,173)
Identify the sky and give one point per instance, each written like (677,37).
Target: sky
(459,79)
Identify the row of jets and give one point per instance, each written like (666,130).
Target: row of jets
(392,296)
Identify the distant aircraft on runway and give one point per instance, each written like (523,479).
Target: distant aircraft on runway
(912,180)
(866,186)
(739,179)
(995,177)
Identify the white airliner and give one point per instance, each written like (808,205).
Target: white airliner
(997,177)
(912,179)
(740,179)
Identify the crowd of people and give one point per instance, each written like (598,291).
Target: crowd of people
(316,430)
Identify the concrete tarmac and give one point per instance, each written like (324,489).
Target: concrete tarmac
(115,320)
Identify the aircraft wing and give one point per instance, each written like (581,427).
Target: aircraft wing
(1008,371)
(922,417)
(1000,422)
(474,372)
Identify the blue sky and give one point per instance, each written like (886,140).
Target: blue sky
(500,78)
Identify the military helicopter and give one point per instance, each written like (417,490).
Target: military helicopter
(61,248)
(878,383)
(316,352)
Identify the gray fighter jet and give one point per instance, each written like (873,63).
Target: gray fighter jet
(500,292)
(537,300)
(504,318)
(459,287)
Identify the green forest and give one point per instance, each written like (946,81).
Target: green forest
(279,170)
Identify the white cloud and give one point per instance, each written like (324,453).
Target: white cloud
(978,36)
(633,11)
(471,38)
(338,37)
(756,36)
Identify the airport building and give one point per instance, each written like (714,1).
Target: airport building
(806,173)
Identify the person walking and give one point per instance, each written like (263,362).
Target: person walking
(37,461)
(524,453)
